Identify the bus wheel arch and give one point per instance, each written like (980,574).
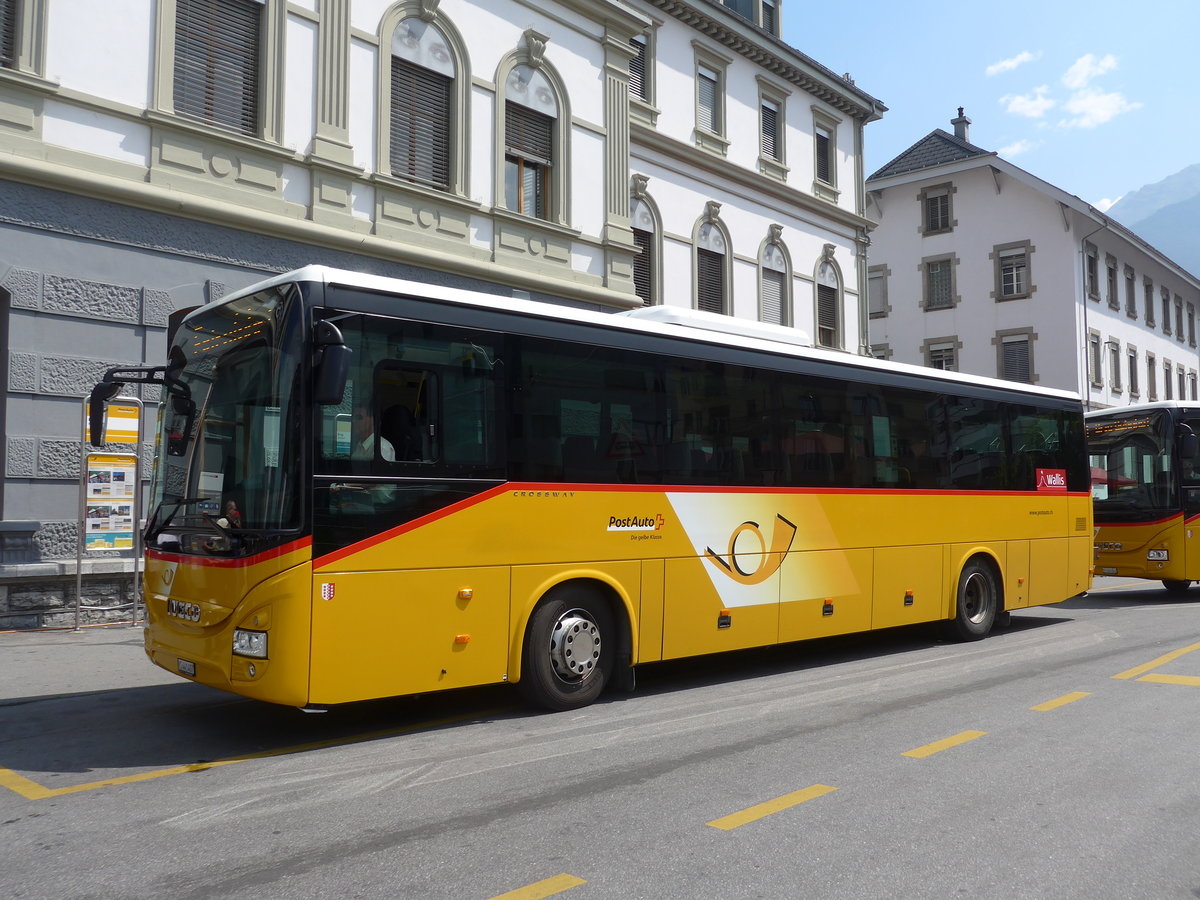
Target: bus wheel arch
(978,599)
(575,642)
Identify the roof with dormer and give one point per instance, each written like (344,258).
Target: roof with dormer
(938,148)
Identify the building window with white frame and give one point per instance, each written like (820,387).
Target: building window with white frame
(1114,365)
(530,126)
(8,33)
(1151,377)
(1178,319)
(1133,370)
(422,104)
(639,82)
(1148,291)
(1166,310)
(1192,386)
(711,263)
(1016,357)
(1182,377)
(942,356)
(877,292)
(1095,360)
(1130,293)
(710,103)
(646,232)
(828,306)
(774,297)
(1110,274)
(938,283)
(1191,324)
(1092,273)
(770,142)
(1012,271)
(1167,386)
(218,63)
(825,179)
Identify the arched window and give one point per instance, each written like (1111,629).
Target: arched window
(712,261)
(422,104)
(829,302)
(774,272)
(647,236)
(530,123)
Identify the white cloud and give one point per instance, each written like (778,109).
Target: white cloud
(1017,148)
(1007,65)
(1090,108)
(1104,204)
(1086,68)
(1032,106)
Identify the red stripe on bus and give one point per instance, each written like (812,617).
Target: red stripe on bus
(1142,523)
(239,563)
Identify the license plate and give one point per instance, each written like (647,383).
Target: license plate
(187,668)
(1108,571)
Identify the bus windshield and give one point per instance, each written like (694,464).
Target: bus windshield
(227,473)
(1134,471)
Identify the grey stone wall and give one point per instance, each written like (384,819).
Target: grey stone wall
(49,601)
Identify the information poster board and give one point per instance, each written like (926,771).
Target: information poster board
(110,485)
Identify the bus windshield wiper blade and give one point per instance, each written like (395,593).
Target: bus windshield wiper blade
(159,522)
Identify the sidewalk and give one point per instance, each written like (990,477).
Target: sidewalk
(47,662)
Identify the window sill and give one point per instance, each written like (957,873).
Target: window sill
(712,142)
(823,191)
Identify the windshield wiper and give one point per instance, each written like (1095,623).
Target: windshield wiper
(159,522)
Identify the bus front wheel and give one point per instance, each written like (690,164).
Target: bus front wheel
(977,603)
(1176,587)
(570,648)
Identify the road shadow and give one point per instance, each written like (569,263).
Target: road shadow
(62,740)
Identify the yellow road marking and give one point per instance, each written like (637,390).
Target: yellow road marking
(1155,663)
(1061,701)
(762,810)
(945,744)
(1171,679)
(31,790)
(545,888)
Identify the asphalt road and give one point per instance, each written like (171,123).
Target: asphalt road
(1056,759)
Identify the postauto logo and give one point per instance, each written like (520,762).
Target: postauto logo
(635,523)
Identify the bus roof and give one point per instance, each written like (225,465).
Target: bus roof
(690,325)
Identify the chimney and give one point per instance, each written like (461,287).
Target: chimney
(962,126)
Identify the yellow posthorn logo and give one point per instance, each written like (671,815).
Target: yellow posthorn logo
(768,562)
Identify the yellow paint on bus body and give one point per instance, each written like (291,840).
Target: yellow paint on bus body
(770,807)
(693,571)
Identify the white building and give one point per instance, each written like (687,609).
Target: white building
(978,266)
(156,155)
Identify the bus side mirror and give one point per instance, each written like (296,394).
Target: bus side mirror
(1189,445)
(331,364)
(101,394)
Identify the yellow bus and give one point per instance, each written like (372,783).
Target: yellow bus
(368,488)
(1146,492)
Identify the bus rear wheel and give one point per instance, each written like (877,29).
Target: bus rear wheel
(1176,587)
(570,648)
(977,603)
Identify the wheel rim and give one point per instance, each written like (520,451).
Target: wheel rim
(978,598)
(574,645)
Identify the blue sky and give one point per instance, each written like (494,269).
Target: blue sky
(1097,98)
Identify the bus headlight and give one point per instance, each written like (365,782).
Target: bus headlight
(1157,555)
(250,643)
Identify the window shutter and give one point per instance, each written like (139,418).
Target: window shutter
(420,147)
(8,33)
(827,316)
(528,134)
(643,266)
(1016,360)
(823,168)
(710,281)
(217,62)
(770,131)
(707,114)
(772,297)
(637,70)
